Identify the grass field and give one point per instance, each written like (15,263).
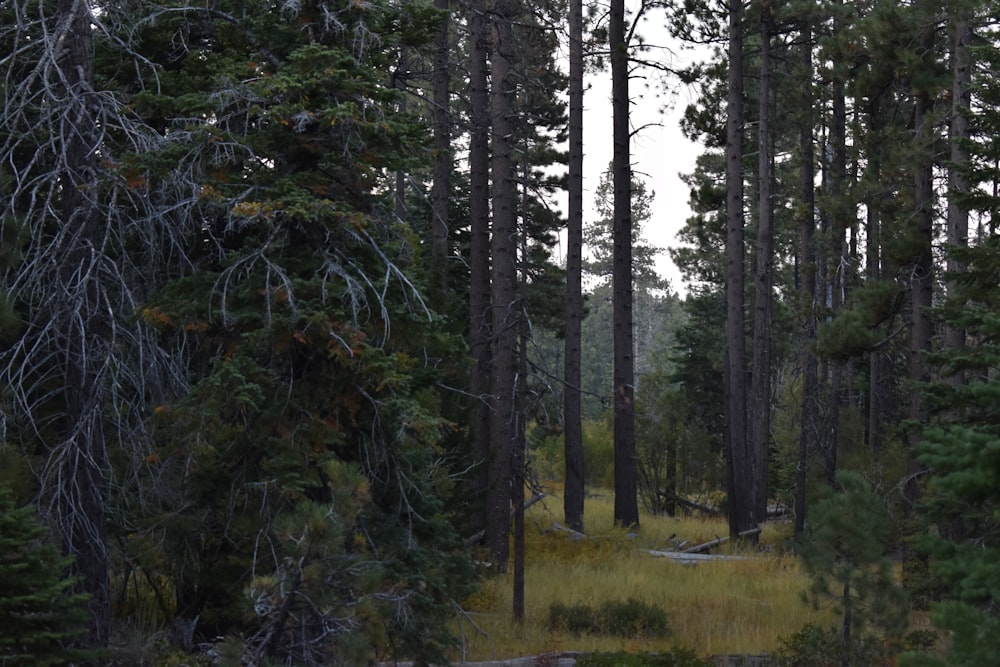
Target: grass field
(736,606)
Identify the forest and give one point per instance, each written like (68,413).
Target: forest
(301,308)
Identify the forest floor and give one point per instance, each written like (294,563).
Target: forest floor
(742,604)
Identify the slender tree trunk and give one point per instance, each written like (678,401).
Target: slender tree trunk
(877,371)
(573,493)
(760,384)
(921,275)
(441,186)
(958,182)
(521,446)
(480,325)
(399,81)
(840,221)
(82,495)
(504,306)
(737,455)
(807,288)
(626,511)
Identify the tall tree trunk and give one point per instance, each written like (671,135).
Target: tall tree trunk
(958,182)
(519,457)
(737,455)
(81,466)
(922,273)
(626,511)
(400,80)
(480,325)
(760,382)
(441,186)
(877,371)
(840,222)
(504,303)
(807,287)
(573,492)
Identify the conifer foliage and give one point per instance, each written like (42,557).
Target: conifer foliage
(38,610)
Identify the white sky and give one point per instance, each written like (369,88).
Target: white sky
(660,152)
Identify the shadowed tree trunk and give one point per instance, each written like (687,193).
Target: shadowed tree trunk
(737,454)
(807,287)
(760,384)
(958,181)
(505,310)
(573,492)
(441,186)
(626,511)
(922,274)
(81,479)
(480,326)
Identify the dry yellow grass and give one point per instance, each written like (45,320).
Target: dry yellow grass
(738,606)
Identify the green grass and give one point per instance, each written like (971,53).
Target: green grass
(741,606)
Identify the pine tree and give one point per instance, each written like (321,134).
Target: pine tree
(39,613)
(847,555)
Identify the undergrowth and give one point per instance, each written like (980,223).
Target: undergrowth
(736,606)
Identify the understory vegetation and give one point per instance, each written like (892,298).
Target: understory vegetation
(724,606)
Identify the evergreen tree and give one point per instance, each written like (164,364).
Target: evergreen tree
(39,613)
(295,493)
(847,555)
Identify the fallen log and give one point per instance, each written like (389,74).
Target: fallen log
(690,559)
(705,546)
(690,504)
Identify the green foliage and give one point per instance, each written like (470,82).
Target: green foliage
(575,618)
(295,492)
(39,612)
(847,555)
(628,618)
(678,657)
(817,646)
(961,450)
(599,452)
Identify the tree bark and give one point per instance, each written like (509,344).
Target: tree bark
(82,493)
(958,181)
(504,283)
(573,493)
(480,325)
(921,275)
(441,186)
(839,221)
(807,287)
(626,512)
(737,455)
(760,384)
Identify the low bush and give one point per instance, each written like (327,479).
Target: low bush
(633,618)
(629,618)
(578,618)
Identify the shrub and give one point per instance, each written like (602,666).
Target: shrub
(631,618)
(577,618)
